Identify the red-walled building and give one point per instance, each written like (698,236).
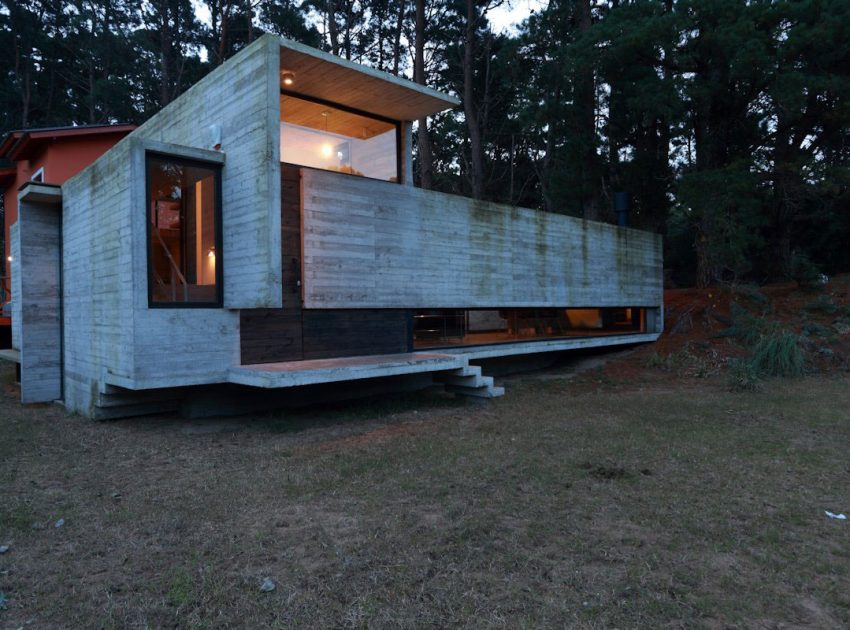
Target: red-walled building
(51,155)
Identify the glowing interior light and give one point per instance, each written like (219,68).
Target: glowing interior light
(211,253)
(288,78)
(327,150)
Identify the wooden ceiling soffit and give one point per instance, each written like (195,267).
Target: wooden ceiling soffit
(324,76)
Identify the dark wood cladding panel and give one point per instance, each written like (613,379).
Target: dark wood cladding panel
(268,335)
(348,333)
(291,333)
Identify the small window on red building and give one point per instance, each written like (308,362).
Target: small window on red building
(184,232)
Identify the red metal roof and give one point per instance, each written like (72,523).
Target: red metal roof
(17,143)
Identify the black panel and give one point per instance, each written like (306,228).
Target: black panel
(347,333)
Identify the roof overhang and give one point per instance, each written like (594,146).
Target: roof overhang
(16,144)
(329,78)
(37,192)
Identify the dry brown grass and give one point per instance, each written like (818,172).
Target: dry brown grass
(591,503)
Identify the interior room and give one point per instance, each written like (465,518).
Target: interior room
(319,135)
(436,328)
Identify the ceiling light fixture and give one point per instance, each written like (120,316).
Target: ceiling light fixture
(287,78)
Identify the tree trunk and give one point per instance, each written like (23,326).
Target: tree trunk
(470,109)
(381,15)
(786,187)
(399,26)
(164,58)
(585,99)
(548,164)
(705,272)
(349,25)
(333,31)
(222,44)
(423,138)
(92,96)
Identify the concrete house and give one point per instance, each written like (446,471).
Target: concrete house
(262,236)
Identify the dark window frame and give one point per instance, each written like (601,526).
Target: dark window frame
(399,163)
(217,168)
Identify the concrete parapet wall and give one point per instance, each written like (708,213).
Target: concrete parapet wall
(371,244)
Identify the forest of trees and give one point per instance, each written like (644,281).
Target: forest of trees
(727,121)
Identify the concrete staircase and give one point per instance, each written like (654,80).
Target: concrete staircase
(468,381)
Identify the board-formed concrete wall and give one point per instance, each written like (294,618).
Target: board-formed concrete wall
(111,335)
(240,100)
(39,270)
(15,253)
(97,276)
(175,346)
(371,244)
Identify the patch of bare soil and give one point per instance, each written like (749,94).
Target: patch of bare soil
(697,339)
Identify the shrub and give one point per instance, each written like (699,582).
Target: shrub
(681,363)
(746,327)
(753,294)
(823,304)
(779,354)
(656,361)
(742,376)
(805,272)
(816,330)
(672,362)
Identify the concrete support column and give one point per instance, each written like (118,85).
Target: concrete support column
(38,303)
(14,270)
(407,153)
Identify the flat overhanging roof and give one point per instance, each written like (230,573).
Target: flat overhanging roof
(323,76)
(38,192)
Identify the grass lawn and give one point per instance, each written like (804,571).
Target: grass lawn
(655,501)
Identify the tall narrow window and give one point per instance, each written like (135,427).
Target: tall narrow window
(184,232)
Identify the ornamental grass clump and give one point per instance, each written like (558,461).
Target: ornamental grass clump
(779,354)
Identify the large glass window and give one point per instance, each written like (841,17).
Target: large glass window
(461,327)
(184,232)
(321,136)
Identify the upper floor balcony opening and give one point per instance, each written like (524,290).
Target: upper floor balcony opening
(339,116)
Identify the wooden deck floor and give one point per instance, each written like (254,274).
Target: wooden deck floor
(311,372)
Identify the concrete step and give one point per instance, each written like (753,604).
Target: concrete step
(473,380)
(477,392)
(469,381)
(141,409)
(466,370)
(127,397)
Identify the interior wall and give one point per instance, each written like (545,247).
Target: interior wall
(374,157)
